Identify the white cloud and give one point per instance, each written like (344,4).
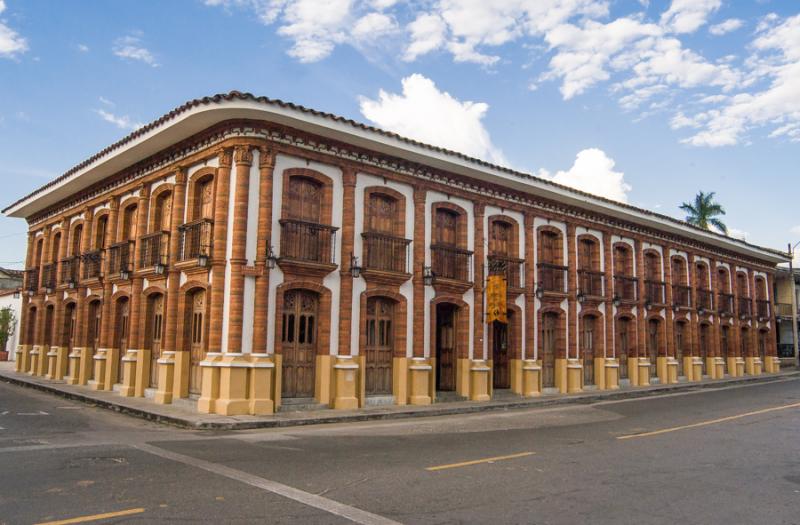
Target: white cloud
(106,101)
(593,172)
(130,47)
(11,42)
(737,234)
(428,33)
(2,6)
(373,25)
(424,113)
(731,24)
(83,48)
(122,122)
(687,16)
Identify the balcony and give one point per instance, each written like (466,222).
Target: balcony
(32,279)
(626,288)
(510,267)
(725,304)
(590,283)
(783,310)
(49,276)
(654,292)
(385,253)
(196,239)
(307,247)
(762,309)
(120,257)
(744,307)
(154,248)
(92,264)
(551,277)
(704,301)
(448,262)
(69,270)
(681,296)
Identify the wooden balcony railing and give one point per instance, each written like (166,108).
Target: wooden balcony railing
(682,295)
(32,279)
(591,283)
(626,287)
(551,277)
(744,307)
(308,241)
(154,248)
(725,303)
(510,267)
(196,239)
(448,262)
(385,253)
(49,276)
(704,301)
(783,310)
(654,292)
(762,309)
(120,257)
(92,264)
(69,270)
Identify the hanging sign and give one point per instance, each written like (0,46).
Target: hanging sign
(496,299)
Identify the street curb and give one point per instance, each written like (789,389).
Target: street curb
(292,419)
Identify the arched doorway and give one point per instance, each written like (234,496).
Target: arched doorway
(49,319)
(681,344)
(446,318)
(653,325)
(379,347)
(501,350)
(95,318)
(299,343)
(69,327)
(744,342)
(724,336)
(762,345)
(550,327)
(623,341)
(704,342)
(588,341)
(196,337)
(121,333)
(154,331)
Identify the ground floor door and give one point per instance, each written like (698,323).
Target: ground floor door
(762,345)
(652,346)
(623,346)
(69,327)
(196,338)
(549,342)
(704,342)
(155,331)
(95,313)
(446,347)
(680,345)
(500,357)
(122,331)
(299,343)
(588,340)
(379,349)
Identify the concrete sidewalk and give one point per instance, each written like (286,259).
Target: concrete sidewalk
(182,413)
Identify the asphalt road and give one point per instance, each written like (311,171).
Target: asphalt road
(728,455)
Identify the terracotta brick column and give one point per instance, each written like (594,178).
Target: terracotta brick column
(572,290)
(62,248)
(174,275)
(751,286)
(266,166)
(641,312)
(106,321)
(772,349)
(608,270)
(694,322)
(221,195)
(348,240)
(58,336)
(244,160)
(137,312)
(23,319)
(530,288)
(83,314)
(669,314)
(419,263)
(479,352)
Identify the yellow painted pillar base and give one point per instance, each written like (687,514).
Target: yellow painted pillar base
(85,366)
(166,377)
(41,361)
(479,381)
(100,364)
(74,367)
(400,380)
(662,370)
(611,373)
(33,360)
(517,382)
(345,383)
(21,364)
(52,355)
(420,372)
(62,362)
(758,366)
(128,388)
(740,366)
(719,364)
(531,378)
(209,392)
(633,371)
(749,367)
(232,386)
(142,377)
(643,371)
(561,375)
(112,363)
(462,377)
(324,380)
(697,368)
(711,367)
(688,368)
(776,364)
(672,371)
(574,376)
(599,365)
(262,369)
(732,367)
(180,384)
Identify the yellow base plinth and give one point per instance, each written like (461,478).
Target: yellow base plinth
(399,380)
(420,372)
(599,365)
(62,362)
(611,373)
(462,377)
(112,368)
(643,371)
(128,388)
(232,386)
(574,376)
(166,377)
(479,381)
(561,375)
(52,355)
(662,370)
(323,386)
(633,371)
(143,364)
(531,378)
(73,367)
(740,365)
(697,368)
(772,365)
(23,351)
(33,360)
(345,383)
(100,362)
(688,369)
(750,366)
(210,384)
(262,371)
(731,362)
(711,367)
(719,365)
(180,385)
(517,382)
(85,366)
(41,362)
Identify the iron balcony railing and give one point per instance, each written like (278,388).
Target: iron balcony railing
(762,309)
(32,279)
(783,310)
(119,257)
(654,292)
(704,299)
(725,303)
(49,276)
(626,287)
(551,277)
(682,295)
(385,253)
(449,262)
(196,239)
(308,241)
(744,307)
(510,267)
(92,264)
(590,283)
(154,249)
(69,270)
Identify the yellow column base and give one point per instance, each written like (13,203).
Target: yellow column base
(462,377)
(142,376)
(262,369)
(232,400)
(711,367)
(732,367)
(697,368)
(33,359)
(400,380)
(643,371)
(688,368)
(662,370)
(62,361)
(633,371)
(180,384)
(772,365)
(719,364)
(531,378)
(129,373)
(517,382)
(52,355)
(749,367)
(599,365)
(672,370)
(479,381)
(740,366)
(21,363)
(100,364)
(112,363)
(561,375)
(345,379)
(41,362)
(611,373)
(166,372)
(209,392)
(574,376)
(74,366)
(757,366)
(323,388)
(776,365)
(420,372)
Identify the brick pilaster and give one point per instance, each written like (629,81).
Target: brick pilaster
(137,313)
(174,275)
(419,263)
(530,288)
(107,324)
(348,240)
(572,290)
(608,270)
(694,323)
(83,313)
(479,352)
(669,314)
(266,165)
(219,255)
(641,312)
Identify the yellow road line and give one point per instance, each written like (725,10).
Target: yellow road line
(95,517)
(478,461)
(710,422)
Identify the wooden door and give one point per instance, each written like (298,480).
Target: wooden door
(95,312)
(500,355)
(122,334)
(623,348)
(379,349)
(381,214)
(588,348)
(500,241)
(69,327)
(205,200)
(299,343)
(762,345)
(549,342)
(155,333)
(49,319)
(652,345)
(724,334)
(680,342)
(704,345)
(445,347)
(548,241)
(445,228)
(744,343)
(196,338)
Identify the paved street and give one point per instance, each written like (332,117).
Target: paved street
(726,455)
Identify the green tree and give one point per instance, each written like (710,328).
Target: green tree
(704,212)
(8,323)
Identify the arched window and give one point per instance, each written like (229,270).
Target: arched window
(77,233)
(100,227)
(128,231)
(203,199)
(304,199)
(550,269)
(163,212)
(654,286)
(381,213)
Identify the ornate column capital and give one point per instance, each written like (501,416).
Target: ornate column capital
(266,157)
(180,175)
(225,157)
(144,191)
(243,155)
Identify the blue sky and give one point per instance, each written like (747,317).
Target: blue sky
(646,102)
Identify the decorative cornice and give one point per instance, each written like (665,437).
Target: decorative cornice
(243,155)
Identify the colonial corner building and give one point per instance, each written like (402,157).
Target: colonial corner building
(246,253)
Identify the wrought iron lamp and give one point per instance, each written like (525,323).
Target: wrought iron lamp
(355,269)
(428,276)
(272,259)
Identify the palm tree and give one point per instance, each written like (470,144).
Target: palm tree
(703,213)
